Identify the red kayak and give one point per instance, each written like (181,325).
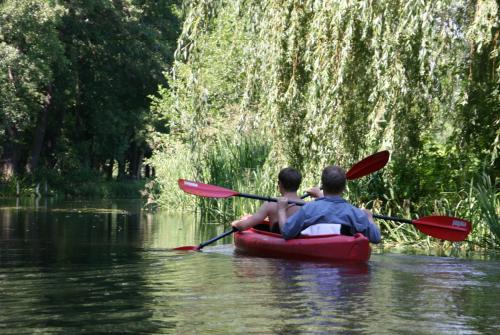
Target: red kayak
(322,247)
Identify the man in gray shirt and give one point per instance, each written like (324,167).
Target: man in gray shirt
(328,208)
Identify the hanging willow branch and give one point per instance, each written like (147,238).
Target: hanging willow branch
(330,81)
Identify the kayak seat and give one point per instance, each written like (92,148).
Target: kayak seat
(344,229)
(327,229)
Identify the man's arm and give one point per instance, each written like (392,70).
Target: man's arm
(372,231)
(250,221)
(315,192)
(292,226)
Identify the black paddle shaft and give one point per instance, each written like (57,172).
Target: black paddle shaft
(229,232)
(391,218)
(258,197)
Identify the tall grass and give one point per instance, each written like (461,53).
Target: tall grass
(476,202)
(240,165)
(172,161)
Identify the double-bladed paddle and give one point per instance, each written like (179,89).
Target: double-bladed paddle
(368,165)
(213,191)
(441,227)
(202,245)
(364,167)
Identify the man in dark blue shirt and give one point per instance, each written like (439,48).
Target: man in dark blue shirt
(328,208)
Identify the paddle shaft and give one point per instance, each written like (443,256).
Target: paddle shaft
(391,218)
(258,197)
(216,238)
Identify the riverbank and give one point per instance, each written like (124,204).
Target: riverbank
(66,188)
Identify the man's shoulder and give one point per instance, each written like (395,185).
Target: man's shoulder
(317,203)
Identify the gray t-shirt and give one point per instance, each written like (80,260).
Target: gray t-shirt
(331,209)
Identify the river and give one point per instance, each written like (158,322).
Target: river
(87,267)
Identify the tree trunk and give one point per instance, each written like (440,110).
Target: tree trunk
(11,155)
(121,169)
(136,156)
(39,135)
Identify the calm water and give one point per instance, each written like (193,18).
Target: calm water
(107,267)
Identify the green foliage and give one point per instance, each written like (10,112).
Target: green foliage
(75,77)
(333,81)
(238,165)
(30,53)
(487,195)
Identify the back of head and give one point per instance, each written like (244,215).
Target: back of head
(290,179)
(333,180)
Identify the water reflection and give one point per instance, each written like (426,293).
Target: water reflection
(89,267)
(310,296)
(94,227)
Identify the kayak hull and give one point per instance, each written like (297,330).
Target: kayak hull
(324,247)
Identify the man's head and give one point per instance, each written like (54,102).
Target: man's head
(333,180)
(289,179)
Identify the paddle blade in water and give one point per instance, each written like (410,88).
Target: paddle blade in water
(188,248)
(205,190)
(444,227)
(368,165)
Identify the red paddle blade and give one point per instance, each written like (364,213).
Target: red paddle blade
(188,248)
(205,190)
(368,165)
(444,227)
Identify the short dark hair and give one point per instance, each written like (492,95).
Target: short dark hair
(290,179)
(333,179)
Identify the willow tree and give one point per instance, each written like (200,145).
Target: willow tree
(332,81)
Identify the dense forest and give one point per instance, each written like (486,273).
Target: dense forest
(75,77)
(229,92)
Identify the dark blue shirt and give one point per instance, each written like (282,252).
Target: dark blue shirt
(330,209)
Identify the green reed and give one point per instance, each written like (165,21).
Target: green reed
(174,160)
(237,164)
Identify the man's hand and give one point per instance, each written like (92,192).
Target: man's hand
(240,223)
(282,203)
(370,216)
(368,213)
(236,224)
(315,192)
